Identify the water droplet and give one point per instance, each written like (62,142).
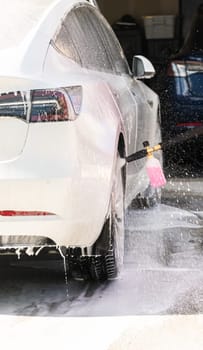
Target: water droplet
(63,255)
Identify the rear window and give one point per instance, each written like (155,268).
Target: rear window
(195,82)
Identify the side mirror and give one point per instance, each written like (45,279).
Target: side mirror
(142,68)
(94,3)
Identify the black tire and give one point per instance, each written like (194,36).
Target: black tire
(149,199)
(109,248)
(96,269)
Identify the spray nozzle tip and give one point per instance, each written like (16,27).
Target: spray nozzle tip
(146,143)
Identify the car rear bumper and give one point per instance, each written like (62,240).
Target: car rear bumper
(177,118)
(62,212)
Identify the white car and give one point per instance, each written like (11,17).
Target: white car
(70,112)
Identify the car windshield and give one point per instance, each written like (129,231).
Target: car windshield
(17,18)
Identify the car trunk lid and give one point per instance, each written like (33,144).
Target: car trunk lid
(13,124)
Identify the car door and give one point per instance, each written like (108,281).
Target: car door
(95,47)
(90,46)
(119,80)
(136,103)
(135,99)
(147,112)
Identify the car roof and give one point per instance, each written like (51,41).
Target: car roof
(19,17)
(26,28)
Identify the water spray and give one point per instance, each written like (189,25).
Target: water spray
(153,166)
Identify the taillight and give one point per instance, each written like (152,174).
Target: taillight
(53,105)
(75,96)
(184,68)
(42,105)
(189,124)
(24,213)
(14,105)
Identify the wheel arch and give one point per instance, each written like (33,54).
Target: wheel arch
(121,146)
(102,244)
(122,153)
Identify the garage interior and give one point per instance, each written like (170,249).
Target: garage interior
(154,16)
(157,30)
(141,11)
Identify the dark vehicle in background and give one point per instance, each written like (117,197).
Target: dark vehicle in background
(182,92)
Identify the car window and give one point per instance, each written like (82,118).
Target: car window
(64,43)
(79,39)
(86,38)
(111,43)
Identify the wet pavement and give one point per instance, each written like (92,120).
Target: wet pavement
(162,272)
(162,276)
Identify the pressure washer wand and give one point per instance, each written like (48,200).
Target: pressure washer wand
(194,133)
(135,156)
(153,166)
(144,152)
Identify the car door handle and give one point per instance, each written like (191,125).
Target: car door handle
(150,102)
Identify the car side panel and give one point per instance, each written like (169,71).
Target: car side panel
(66,168)
(139,107)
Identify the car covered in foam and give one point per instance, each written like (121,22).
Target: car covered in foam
(71,110)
